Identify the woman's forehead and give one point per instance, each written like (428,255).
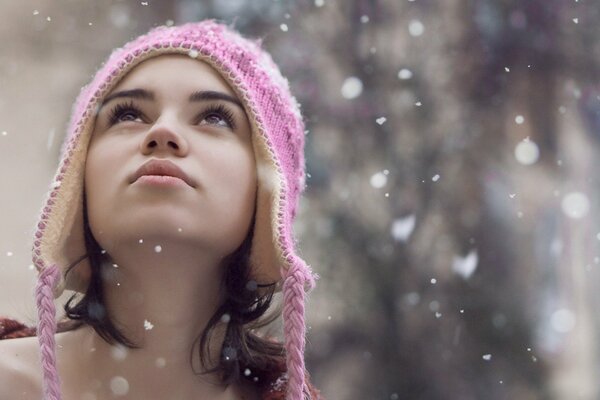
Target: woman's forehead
(170,72)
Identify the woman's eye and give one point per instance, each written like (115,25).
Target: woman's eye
(215,119)
(124,113)
(217,115)
(128,116)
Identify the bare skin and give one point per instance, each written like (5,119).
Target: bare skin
(167,242)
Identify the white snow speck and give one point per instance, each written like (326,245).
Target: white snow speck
(378,180)
(416,27)
(193,53)
(435,178)
(319,3)
(247,372)
(144,3)
(405,74)
(9,253)
(179,230)
(381,120)
(148,325)
(562,320)
(575,205)
(351,88)
(158,248)
(487,357)
(115,266)
(119,386)
(402,228)
(364,19)
(512,195)
(118,352)
(35,12)
(465,266)
(527,152)
(433,281)
(412,298)
(576,20)
(141,241)
(160,362)
(507,69)
(225,318)
(438,314)
(418,104)
(598,236)
(48,19)
(31,267)
(283,27)
(4,133)
(519,119)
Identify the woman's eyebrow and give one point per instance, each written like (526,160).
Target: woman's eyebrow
(201,95)
(133,93)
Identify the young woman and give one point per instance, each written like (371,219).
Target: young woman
(171,213)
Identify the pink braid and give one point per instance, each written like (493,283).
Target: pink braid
(47,328)
(294,328)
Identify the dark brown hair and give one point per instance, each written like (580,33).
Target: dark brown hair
(244,304)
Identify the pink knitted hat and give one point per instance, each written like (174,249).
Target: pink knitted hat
(278,143)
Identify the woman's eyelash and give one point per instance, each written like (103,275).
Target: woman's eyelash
(214,109)
(121,109)
(220,110)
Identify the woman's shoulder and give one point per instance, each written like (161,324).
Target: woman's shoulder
(19,377)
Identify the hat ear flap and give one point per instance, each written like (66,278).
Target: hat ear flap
(46,329)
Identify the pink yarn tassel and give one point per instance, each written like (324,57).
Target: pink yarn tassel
(295,329)
(46,329)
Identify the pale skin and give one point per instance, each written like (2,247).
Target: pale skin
(174,287)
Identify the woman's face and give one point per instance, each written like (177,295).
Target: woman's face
(178,110)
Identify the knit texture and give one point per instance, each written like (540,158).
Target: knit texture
(278,144)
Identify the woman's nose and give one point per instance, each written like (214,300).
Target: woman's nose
(163,137)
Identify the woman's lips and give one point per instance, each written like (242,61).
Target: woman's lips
(160,180)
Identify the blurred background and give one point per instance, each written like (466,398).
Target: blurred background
(452,204)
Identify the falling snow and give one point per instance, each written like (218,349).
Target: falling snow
(487,357)
(527,152)
(351,88)
(575,205)
(402,228)
(378,180)
(416,28)
(465,266)
(158,248)
(119,386)
(148,325)
(405,74)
